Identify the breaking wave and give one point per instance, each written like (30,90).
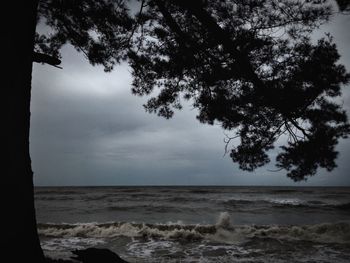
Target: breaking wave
(223,231)
(285,203)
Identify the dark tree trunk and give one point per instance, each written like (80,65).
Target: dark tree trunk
(19,236)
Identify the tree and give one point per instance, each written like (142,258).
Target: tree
(254,71)
(229,58)
(18,212)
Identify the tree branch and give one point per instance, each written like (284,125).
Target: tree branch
(227,141)
(44,58)
(299,128)
(137,24)
(243,64)
(180,35)
(291,133)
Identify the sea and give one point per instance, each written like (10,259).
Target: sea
(197,223)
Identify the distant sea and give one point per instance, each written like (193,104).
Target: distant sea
(198,224)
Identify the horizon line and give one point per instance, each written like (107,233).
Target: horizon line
(191,185)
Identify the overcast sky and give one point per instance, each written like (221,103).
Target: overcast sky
(88,129)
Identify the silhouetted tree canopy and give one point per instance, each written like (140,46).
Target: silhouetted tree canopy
(249,65)
(344,5)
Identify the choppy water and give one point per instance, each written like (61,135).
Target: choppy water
(198,224)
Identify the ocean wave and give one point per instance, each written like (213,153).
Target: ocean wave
(56,192)
(287,191)
(344,206)
(333,195)
(201,191)
(267,203)
(223,231)
(150,208)
(97,197)
(284,203)
(237,202)
(187,199)
(130,190)
(56,198)
(314,204)
(69,244)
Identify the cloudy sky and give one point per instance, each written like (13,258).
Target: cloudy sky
(88,129)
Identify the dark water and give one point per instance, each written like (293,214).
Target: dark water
(198,224)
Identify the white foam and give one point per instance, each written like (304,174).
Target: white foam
(223,231)
(286,201)
(146,249)
(64,244)
(224,221)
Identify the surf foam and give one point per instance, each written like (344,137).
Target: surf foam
(223,231)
